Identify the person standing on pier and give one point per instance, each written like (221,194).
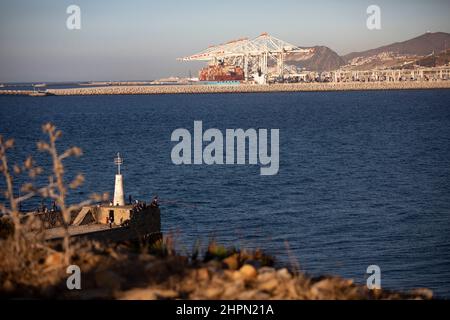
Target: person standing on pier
(155,202)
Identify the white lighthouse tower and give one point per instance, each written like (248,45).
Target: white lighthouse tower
(119,199)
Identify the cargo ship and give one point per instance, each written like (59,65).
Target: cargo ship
(221,72)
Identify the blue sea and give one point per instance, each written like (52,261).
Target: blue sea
(364,177)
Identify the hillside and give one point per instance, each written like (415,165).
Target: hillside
(322,59)
(419,46)
(395,55)
(435,60)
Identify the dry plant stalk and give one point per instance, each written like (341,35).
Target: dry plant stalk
(9,192)
(29,191)
(21,253)
(56,189)
(60,192)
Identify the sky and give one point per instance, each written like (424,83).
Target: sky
(141,39)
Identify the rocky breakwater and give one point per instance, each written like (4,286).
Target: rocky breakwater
(16,92)
(247,88)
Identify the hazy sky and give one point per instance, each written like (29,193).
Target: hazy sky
(140,40)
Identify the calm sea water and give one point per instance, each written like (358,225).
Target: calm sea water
(364,176)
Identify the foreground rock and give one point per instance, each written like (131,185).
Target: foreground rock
(125,273)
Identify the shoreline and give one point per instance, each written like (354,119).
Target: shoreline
(129,272)
(243,88)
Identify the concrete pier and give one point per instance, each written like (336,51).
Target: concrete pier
(130,223)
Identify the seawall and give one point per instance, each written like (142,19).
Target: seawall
(243,88)
(246,88)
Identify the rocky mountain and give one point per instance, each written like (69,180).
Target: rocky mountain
(427,50)
(319,59)
(420,46)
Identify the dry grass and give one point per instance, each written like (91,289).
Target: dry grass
(26,271)
(128,271)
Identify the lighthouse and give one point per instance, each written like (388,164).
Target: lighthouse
(119,199)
